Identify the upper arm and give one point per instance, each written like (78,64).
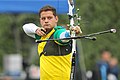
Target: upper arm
(62,33)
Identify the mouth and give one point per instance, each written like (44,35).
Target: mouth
(46,24)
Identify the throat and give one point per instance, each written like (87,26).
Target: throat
(47,31)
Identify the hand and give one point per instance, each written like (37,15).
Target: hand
(77,30)
(40,31)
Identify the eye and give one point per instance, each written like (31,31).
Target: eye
(43,18)
(49,17)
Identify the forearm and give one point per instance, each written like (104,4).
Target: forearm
(30,29)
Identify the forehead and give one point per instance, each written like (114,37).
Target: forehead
(46,13)
(106,53)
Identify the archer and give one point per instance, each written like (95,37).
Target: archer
(55,56)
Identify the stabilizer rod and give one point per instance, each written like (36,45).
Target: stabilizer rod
(79,37)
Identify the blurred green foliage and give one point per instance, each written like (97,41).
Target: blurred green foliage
(97,15)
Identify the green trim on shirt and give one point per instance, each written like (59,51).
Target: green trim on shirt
(37,37)
(59,27)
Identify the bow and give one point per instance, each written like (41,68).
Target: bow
(71,17)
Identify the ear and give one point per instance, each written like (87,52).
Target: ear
(56,18)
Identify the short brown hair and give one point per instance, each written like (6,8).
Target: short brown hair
(48,8)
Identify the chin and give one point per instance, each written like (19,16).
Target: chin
(47,27)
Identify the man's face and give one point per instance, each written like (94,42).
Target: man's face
(48,20)
(106,56)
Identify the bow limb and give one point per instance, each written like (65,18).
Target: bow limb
(71,17)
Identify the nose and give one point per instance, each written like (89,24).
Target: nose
(46,20)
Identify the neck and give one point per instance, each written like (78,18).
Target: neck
(47,31)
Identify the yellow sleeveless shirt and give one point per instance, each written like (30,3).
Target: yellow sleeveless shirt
(53,67)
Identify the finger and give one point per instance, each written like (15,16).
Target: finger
(42,33)
(78,29)
(75,29)
(43,29)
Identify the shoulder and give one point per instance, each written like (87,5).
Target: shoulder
(59,27)
(58,31)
